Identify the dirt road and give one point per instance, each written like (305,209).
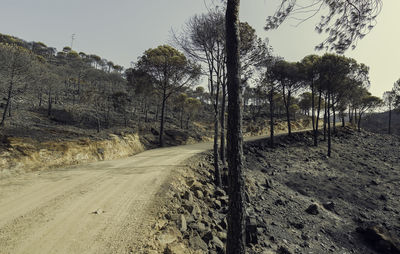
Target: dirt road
(55,211)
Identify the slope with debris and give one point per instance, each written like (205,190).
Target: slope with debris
(299,201)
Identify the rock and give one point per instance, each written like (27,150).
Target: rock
(224,224)
(374,182)
(223,236)
(283,250)
(188,206)
(169,236)
(297,225)
(182,223)
(154,131)
(218,243)
(217,204)
(312,209)
(160,224)
(208,236)
(305,237)
(189,218)
(199,194)
(98,211)
(219,192)
(188,196)
(268,183)
(219,228)
(330,206)
(196,212)
(224,200)
(380,239)
(199,227)
(197,243)
(383,197)
(196,186)
(279,202)
(175,248)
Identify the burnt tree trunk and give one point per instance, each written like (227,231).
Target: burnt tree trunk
(334,117)
(325,120)
(287,106)
(181,116)
(98,124)
(271,117)
(390,121)
(355,117)
(49,103)
(223,106)
(313,112)
(317,122)
(161,136)
(329,123)
(10,108)
(215,91)
(9,94)
(236,213)
(350,115)
(218,181)
(343,121)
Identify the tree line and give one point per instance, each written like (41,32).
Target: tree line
(91,92)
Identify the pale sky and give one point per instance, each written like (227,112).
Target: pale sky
(121,30)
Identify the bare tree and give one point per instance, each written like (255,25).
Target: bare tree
(15,73)
(389,97)
(203,40)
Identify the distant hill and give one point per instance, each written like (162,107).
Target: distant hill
(378,122)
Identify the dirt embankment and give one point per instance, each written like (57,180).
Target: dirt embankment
(299,201)
(24,154)
(261,127)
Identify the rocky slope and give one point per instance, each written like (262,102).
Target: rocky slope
(299,201)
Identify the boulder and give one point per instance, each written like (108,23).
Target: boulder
(175,248)
(330,206)
(182,223)
(218,244)
(219,192)
(197,243)
(312,209)
(217,204)
(196,212)
(188,196)
(199,194)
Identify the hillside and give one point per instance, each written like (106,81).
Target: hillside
(378,122)
(299,201)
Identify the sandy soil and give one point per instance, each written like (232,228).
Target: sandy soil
(101,207)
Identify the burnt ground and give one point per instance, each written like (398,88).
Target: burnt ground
(305,202)
(299,200)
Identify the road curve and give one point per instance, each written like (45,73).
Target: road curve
(52,212)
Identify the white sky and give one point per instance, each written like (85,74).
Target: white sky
(121,30)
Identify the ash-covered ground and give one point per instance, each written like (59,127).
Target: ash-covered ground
(299,200)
